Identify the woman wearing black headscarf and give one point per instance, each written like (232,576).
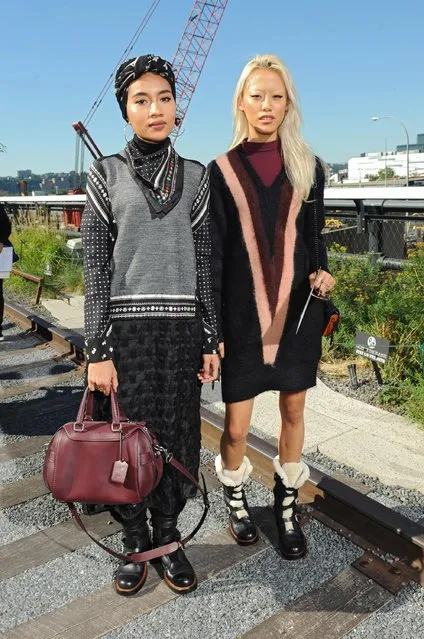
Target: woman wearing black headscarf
(149,315)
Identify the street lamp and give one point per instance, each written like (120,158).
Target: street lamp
(375,118)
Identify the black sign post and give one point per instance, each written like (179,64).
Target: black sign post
(374,348)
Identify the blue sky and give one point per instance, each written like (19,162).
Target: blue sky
(350,60)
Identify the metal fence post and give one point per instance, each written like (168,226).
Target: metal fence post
(375,233)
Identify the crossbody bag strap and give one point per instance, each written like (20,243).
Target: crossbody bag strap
(148,555)
(137,557)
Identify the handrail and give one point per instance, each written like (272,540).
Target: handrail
(389,194)
(32,278)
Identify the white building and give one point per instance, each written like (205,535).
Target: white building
(371,163)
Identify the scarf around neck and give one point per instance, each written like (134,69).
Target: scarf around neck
(161,171)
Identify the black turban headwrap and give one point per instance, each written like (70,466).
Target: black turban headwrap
(136,67)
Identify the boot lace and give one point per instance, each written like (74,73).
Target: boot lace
(236,502)
(289,508)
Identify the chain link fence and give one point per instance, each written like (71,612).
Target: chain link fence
(387,229)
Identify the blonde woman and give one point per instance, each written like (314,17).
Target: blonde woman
(267,215)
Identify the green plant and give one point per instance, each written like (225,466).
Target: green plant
(389,305)
(394,394)
(415,403)
(337,248)
(38,247)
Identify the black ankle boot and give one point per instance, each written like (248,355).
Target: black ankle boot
(130,576)
(242,528)
(178,572)
(292,541)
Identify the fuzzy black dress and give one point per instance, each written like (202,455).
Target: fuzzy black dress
(157,361)
(265,243)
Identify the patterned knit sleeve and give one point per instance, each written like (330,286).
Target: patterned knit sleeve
(315,222)
(200,224)
(97,237)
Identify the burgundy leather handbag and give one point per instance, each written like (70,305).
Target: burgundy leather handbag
(121,462)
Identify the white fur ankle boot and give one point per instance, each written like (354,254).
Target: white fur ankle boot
(242,527)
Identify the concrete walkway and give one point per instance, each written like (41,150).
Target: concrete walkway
(374,441)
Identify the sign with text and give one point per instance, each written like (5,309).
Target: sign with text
(374,348)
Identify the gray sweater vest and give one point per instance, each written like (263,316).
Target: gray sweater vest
(153,266)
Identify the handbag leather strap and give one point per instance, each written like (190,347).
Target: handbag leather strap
(85,411)
(155,553)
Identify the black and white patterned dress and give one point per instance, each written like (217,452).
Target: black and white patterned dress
(149,304)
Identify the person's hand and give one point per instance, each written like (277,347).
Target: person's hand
(1,246)
(102,376)
(221,350)
(210,370)
(322,283)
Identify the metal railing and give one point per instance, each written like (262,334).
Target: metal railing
(378,220)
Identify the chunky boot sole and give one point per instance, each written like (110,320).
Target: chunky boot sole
(129,592)
(292,557)
(243,542)
(178,589)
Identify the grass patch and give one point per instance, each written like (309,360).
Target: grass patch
(388,304)
(36,248)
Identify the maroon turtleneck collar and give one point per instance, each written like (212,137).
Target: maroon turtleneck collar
(265,158)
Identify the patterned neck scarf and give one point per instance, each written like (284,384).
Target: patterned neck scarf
(161,171)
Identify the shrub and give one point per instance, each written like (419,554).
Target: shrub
(388,304)
(36,247)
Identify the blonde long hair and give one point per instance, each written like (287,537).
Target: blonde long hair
(299,159)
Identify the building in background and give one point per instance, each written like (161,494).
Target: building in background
(367,165)
(414,148)
(24,174)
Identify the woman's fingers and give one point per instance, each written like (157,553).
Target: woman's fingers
(102,376)
(214,366)
(323,283)
(210,370)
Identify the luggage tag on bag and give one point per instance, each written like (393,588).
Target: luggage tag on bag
(120,467)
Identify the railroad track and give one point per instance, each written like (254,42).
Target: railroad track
(362,555)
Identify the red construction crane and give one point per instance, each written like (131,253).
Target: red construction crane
(192,51)
(188,63)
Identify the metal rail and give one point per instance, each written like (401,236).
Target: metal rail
(62,338)
(364,521)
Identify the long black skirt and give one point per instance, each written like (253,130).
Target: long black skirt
(157,361)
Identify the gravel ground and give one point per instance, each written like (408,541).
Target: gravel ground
(407,502)
(31,517)
(402,618)
(243,596)
(17,469)
(93,566)
(49,368)
(20,339)
(17,414)
(264,583)
(366,392)
(43,354)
